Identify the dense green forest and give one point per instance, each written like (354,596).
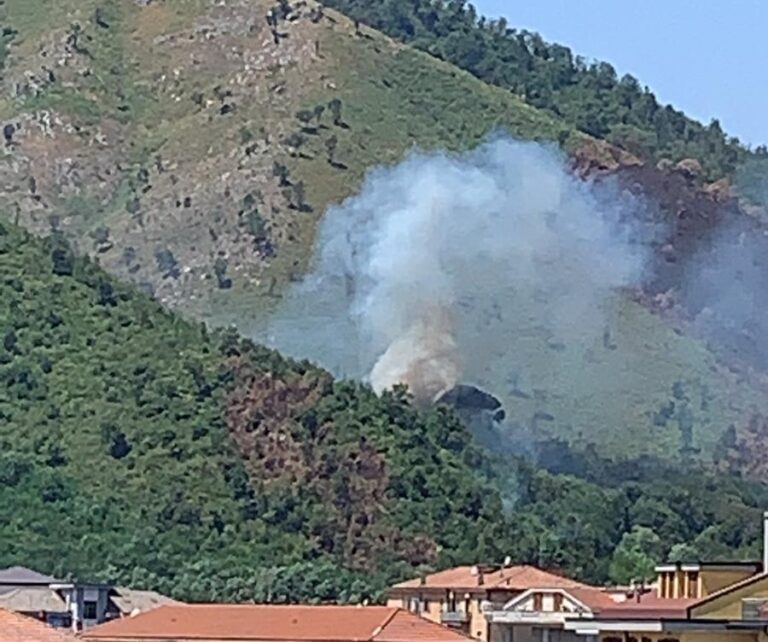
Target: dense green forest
(588,95)
(141,448)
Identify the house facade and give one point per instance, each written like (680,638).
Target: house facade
(499,604)
(708,602)
(70,605)
(691,602)
(58,603)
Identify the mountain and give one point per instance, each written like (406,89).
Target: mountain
(589,95)
(192,148)
(137,444)
(142,448)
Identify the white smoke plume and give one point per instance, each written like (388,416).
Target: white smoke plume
(416,276)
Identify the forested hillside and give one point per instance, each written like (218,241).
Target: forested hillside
(192,148)
(138,447)
(588,95)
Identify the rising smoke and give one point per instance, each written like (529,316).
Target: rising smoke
(417,278)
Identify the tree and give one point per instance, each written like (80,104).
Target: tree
(636,556)
(335,106)
(305,117)
(220,270)
(281,172)
(167,264)
(62,257)
(684,553)
(330,147)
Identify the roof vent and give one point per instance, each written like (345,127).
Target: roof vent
(752,608)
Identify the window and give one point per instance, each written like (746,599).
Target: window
(693,584)
(538,602)
(90,611)
(558,605)
(424,606)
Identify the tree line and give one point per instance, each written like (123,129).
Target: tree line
(589,95)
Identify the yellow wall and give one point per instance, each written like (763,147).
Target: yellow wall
(728,606)
(477,626)
(714,580)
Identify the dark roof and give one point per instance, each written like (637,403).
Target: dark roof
(23,575)
(756,564)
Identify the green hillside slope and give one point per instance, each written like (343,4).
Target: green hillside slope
(137,447)
(193,150)
(193,146)
(587,94)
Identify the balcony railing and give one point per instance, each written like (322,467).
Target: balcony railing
(454,617)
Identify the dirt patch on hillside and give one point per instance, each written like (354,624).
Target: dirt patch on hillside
(709,255)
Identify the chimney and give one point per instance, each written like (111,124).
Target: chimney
(477,571)
(765,542)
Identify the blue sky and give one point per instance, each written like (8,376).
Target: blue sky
(706,57)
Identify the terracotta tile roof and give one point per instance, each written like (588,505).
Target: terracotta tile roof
(452,578)
(595,598)
(274,623)
(20,628)
(407,627)
(522,578)
(649,607)
(513,578)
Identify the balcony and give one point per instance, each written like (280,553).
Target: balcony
(454,617)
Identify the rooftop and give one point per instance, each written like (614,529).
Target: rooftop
(648,606)
(275,623)
(23,575)
(513,578)
(31,599)
(19,628)
(132,601)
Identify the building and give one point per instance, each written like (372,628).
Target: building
(128,602)
(701,602)
(246,622)
(499,603)
(19,628)
(689,602)
(66,604)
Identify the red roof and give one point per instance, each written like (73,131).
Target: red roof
(275,623)
(512,578)
(20,628)
(649,607)
(595,598)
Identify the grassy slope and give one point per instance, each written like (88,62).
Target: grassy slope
(393,98)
